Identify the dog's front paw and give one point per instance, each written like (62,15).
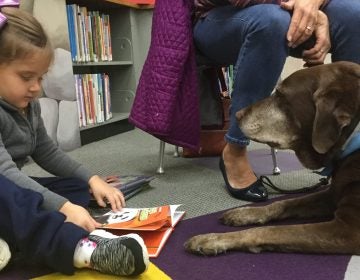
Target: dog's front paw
(244,216)
(205,244)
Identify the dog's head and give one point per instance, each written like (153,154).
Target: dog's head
(312,112)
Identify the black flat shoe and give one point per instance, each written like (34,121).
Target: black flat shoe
(255,192)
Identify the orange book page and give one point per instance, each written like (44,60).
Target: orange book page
(137,219)
(154,240)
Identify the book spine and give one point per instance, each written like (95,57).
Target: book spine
(71,31)
(75,29)
(106,88)
(98,36)
(86,100)
(101,96)
(81,57)
(91,98)
(89,37)
(94,36)
(108,30)
(80,116)
(86,57)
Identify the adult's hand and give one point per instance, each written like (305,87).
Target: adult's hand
(303,19)
(316,55)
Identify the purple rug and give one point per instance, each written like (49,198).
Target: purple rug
(178,264)
(260,160)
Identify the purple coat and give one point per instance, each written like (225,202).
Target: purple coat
(167,103)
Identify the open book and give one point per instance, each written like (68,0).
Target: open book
(154,224)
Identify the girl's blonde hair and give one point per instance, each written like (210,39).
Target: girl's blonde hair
(21,36)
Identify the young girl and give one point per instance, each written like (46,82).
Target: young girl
(45,218)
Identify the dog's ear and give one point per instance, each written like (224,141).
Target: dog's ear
(330,118)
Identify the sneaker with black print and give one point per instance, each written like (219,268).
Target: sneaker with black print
(124,255)
(5,254)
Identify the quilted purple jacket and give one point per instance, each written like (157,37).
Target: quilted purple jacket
(166,104)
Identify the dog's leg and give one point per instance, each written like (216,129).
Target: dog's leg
(327,237)
(319,204)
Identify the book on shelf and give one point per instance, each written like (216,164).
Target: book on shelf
(154,224)
(93,98)
(89,34)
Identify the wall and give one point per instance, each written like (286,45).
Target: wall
(293,64)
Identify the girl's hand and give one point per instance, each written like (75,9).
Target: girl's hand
(103,193)
(303,19)
(79,216)
(316,55)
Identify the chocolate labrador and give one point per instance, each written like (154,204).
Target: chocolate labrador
(314,112)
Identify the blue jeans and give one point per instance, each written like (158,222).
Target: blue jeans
(254,41)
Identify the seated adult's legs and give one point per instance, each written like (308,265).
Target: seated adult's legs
(344,21)
(254,41)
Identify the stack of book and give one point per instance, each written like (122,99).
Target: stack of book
(89,33)
(129,185)
(93,98)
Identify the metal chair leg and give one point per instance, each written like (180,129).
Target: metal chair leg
(160,169)
(176,152)
(276,170)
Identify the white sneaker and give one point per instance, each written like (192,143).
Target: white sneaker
(5,254)
(124,255)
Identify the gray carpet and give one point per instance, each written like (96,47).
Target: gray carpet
(196,183)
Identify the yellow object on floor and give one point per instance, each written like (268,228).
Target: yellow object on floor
(153,273)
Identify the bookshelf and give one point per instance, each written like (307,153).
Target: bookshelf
(130,38)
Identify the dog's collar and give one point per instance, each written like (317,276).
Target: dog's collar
(351,145)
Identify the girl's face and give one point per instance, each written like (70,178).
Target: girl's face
(20,80)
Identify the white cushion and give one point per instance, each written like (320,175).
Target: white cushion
(59,82)
(50,116)
(68,128)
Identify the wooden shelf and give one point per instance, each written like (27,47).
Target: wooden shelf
(103,63)
(116,117)
(138,4)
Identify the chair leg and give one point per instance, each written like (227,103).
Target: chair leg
(276,170)
(176,152)
(160,169)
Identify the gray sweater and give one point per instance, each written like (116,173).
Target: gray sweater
(23,136)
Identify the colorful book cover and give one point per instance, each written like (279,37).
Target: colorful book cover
(154,224)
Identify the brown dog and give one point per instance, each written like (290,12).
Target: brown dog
(313,112)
